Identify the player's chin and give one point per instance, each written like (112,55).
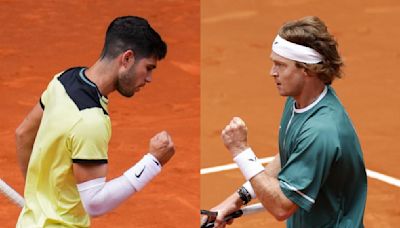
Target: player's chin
(283,93)
(127,93)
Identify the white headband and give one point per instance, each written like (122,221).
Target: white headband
(295,52)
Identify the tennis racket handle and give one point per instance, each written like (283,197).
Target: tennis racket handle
(251,209)
(233,215)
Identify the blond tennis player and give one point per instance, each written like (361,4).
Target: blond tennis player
(318,178)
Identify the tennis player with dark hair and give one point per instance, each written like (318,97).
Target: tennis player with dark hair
(62,144)
(318,179)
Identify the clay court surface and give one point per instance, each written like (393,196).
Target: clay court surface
(236,43)
(41,38)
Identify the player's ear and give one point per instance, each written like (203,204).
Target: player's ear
(308,73)
(127,58)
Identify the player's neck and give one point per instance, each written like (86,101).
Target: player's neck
(310,93)
(102,73)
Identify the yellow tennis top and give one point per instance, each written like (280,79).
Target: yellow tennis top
(75,128)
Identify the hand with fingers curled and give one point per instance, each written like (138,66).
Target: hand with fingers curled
(234,136)
(162,147)
(228,206)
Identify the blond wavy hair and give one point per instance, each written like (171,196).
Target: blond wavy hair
(312,32)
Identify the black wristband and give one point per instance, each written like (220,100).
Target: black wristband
(244,195)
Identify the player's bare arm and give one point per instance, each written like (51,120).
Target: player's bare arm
(233,202)
(88,171)
(265,184)
(271,196)
(25,136)
(226,207)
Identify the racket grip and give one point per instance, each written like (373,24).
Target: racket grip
(233,215)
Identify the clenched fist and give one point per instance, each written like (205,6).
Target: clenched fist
(234,136)
(162,147)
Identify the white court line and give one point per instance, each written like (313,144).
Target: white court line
(384,178)
(372,174)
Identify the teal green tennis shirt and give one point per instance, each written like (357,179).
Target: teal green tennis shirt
(323,170)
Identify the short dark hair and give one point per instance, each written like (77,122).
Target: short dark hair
(133,33)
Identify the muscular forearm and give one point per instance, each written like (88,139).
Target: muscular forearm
(24,144)
(25,136)
(272,170)
(263,180)
(229,205)
(271,196)
(235,201)
(266,187)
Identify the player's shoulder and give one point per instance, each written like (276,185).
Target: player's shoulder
(56,77)
(93,117)
(92,122)
(322,123)
(83,92)
(69,76)
(323,118)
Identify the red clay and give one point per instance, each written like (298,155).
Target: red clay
(39,39)
(235,81)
